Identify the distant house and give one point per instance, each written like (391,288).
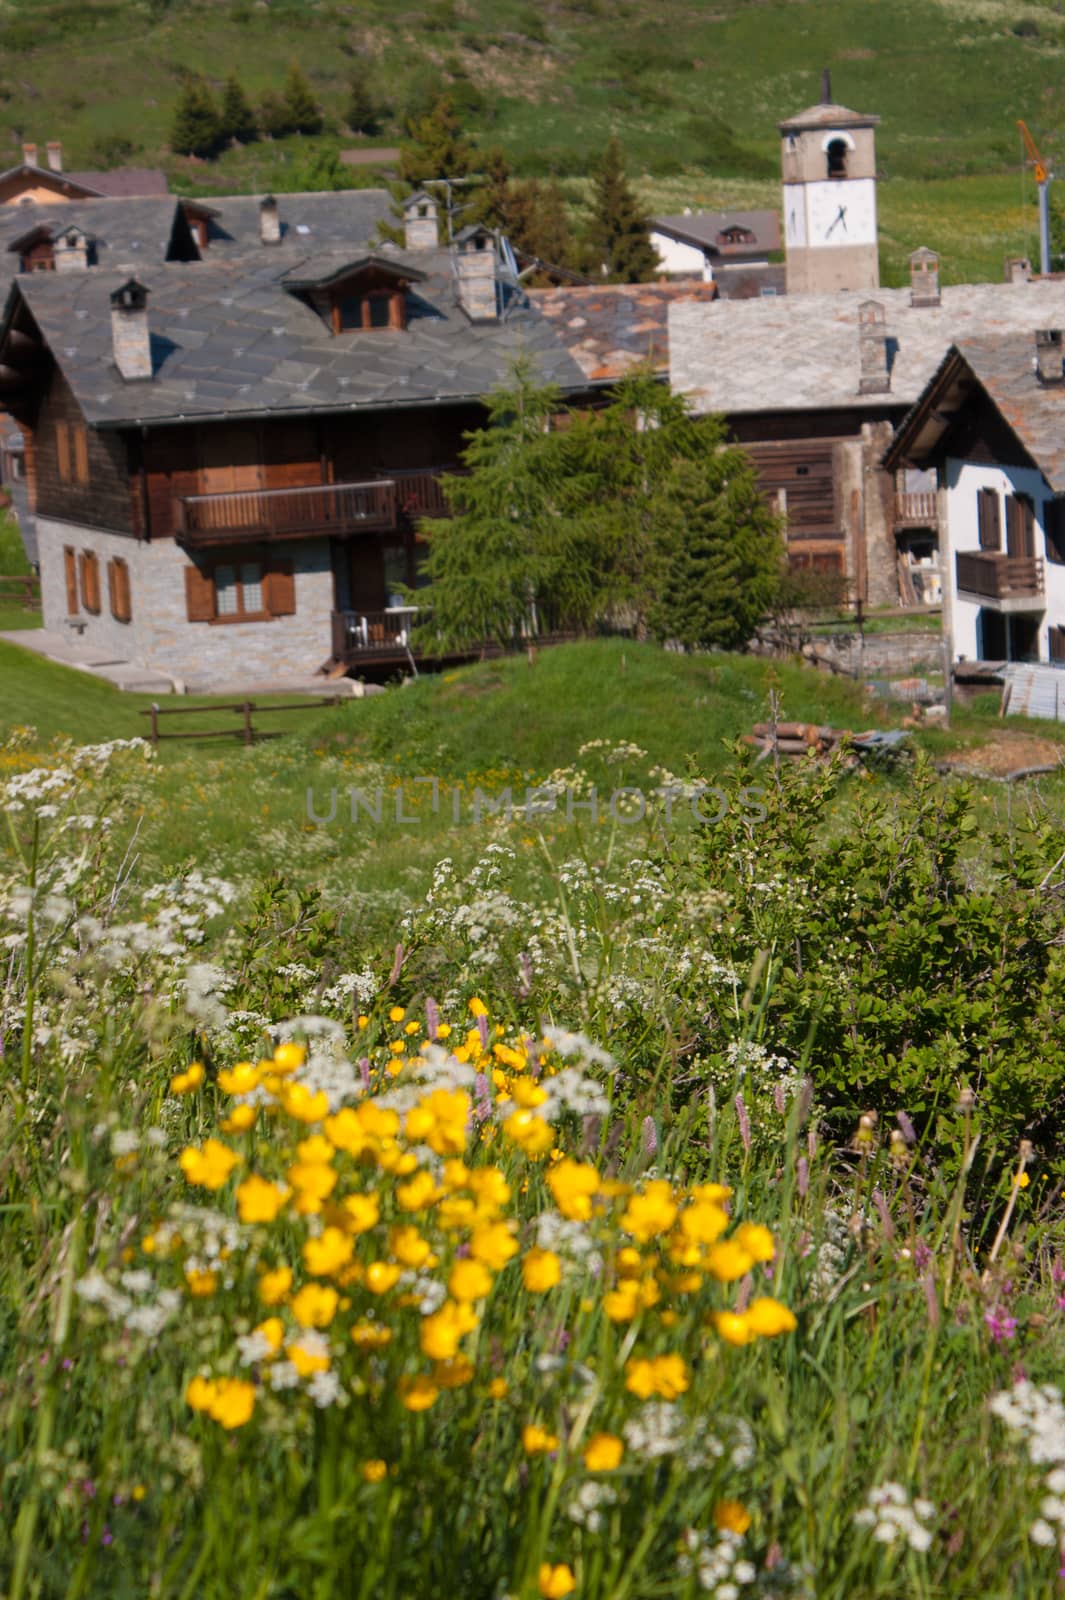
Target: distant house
(726,247)
(990,423)
(229,457)
(814,385)
(29,184)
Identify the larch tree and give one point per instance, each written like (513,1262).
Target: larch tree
(619,233)
(195,130)
(302,111)
(237,119)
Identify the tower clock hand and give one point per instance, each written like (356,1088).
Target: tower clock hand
(840,217)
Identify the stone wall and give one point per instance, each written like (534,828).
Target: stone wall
(159,635)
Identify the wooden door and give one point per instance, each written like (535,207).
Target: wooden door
(1020,526)
(230,459)
(367,575)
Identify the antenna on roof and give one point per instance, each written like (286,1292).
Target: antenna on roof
(826,86)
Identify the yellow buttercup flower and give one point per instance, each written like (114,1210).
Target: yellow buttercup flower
(469,1280)
(540,1270)
(200,1393)
(666,1376)
(307,1359)
(768,1317)
(573,1185)
(727,1260)
(555,1582)
(536,1441)
(498,1389)
(210,1166)
(530,1133)
(491,1189)
(650,1213)
(493,1244)
(478,1008)
(302,1103)
(201,1284)
(454,1373)
(603,1453)
(258,1200)
(274,1285)
(441,1332)
(228,1401)
(374,1471)
(273,1330)
(361,1212)
(185,1082)
(315,1305)
(621,1304)
(241,1079)
(396,1014)
(289,1057)
(704,1222)
(240,1119)
(325,1255)
(381,1276)
(417,1394)
(732,1517)
(420,1191)
(371,1335)
(756,1239)
(732,1327)
(408,1246)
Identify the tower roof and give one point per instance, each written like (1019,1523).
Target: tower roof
(828,116)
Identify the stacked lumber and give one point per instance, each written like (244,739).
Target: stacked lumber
(796,738)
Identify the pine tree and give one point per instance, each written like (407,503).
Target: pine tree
(435,146)
(719,558)
(361,113)
(302,111)
(272,115)
(195,130)
(619,235)
(237,120)
(537,225)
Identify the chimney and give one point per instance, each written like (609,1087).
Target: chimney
(55,155)
(1049,353)
(475,263)
(419,222)
(29,155)
(874,374)
(1018,269)
(130,338)
(70,252)
(924,278)
(269,220)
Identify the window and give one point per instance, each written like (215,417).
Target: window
(118,590)
(239,590)
(1054,528)
(89,574)
(381,308)
(837,158)
(989,519)
(72,452)
(70,572)
(80,440)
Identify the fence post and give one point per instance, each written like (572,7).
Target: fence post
(247,708)
(155,724)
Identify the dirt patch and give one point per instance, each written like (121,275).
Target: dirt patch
(1007,754)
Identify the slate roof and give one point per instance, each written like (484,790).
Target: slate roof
(60,180)
(128,231)
(701,228)
(229,339)
(1004,368)
(610,328)
(124,183)
(827,115)
(800,352)
(314,221)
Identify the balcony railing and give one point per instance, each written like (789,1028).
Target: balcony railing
(361,634)
(375,505)
(998,576)
(916,509)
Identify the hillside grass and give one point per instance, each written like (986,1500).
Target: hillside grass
(694,93)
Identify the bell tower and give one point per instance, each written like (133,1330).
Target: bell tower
(828,159)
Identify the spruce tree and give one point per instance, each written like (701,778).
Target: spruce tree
(537,224)
(302,111)
(237,119)
(195,130)
(361,112)
(619,235)
(435,146)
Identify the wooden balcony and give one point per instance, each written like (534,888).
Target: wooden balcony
(364,636)
(377,505)
(916,510)
(1007,583)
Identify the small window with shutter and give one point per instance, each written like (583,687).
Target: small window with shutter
(70,573)
(62,451)
(90,581)
(119,590)
(989,519)
(241,591)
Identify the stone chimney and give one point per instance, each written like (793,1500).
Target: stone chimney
(130,337)
(269,220)
(924,278)
(55,155)
(420,222)
(475,264)
(874,373)
(70,251)
(1049,354)
(1018,269)
(29,155)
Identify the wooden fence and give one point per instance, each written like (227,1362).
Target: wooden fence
(245,709)
(26,587)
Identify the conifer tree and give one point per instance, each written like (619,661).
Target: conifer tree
(619,235)
(435,146)
(302,111)
(195,129)
(537,224)
(361,112)
(237,120)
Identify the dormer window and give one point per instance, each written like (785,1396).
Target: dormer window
(736,235)
(366,295)
(374,308)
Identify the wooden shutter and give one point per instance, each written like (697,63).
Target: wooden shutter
(1019,526)
(199,595)
(81,454)
(280,589)
(90,581)
(62,450)
(1056,640)
(1054,528)
(118,589)
(70,569)
(989,519)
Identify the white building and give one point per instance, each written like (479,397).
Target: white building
(700,244)
(991,421)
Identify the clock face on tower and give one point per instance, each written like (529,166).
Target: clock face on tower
(841,213)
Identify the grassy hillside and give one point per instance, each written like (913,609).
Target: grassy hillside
(693,89)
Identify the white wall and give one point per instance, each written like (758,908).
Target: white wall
(681,260)
(963,481)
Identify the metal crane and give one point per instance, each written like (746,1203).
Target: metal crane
(1043,177)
